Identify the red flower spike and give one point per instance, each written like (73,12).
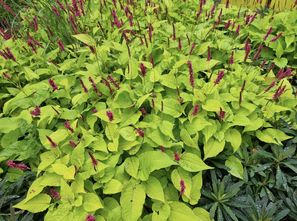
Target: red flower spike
(231,59)
(176,156)
(90,218)
(68,126)
(227,25)
(7,8)
(109,114)
(192,48)
(22,166)
(53,84)
(61,45)
(219,77)
(270,86)
(83,86)
(276,37)
(150,32)
(53,144)
(269,31)
(173,32)
(72,143)
(142,69)
(280,90)
(221,114)
(195,110)
(54,194)
(11,164)
(95,87)
(191,74)
(140,132)
(237,29)
(162,149)
(36,112)
(35,24)
(247,48)
(182,186)
(263,63)
(114,82)
(75,7)
(94,110)
(62,7)
(6,76)
(93,159)
(258,53)
(143,111)
(227,4)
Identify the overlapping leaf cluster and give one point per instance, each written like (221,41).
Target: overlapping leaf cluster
(121,111)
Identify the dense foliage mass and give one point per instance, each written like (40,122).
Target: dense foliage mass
(148,110)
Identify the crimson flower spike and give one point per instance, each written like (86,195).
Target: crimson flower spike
(173,32)
(73,23)
(191,74)
(231,59)
(176,156)
(208,54)
(263,63)
(227,25)
(81,5)
(22,166)
(192,48)
(54,194)
(150,32)
(93,159)
(212,10)
(6,76)
(140,132)
(241,91)
(8,54)
(276,37)
(113,81)
(238,29)
(53,144)
(227,4)
(179,44)
(270,86)
(56,11)
(152,61)
(53,84)
(90,218)
(182,186)
(221,114)
(68,126)
(36,112)
(75,7)
(72,143)
(195,110)
(7,8)
(109,114)
(269,31)
(247,48)
(62,7)
(219,77)
(258,53)
(142,69)
(280,90)
(35,24)
(61,45)
(83,86)
(107,84)
(95,87)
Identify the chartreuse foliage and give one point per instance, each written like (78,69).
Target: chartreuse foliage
(128,123)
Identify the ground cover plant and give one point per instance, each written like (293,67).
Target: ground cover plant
(148,110)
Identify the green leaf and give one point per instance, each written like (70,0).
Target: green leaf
(153,160)
(67,194)
(171,107)
(212,105)
(91,202)
(132,166)
(192,163)
(202,214)
(161,211)
(86,39)
(179,211)
(66,172)
(213,147)
(154,189)
(234,137)
(235,166)
(128,133)
(112,187)
(35,205)
(132,200)
(272,136)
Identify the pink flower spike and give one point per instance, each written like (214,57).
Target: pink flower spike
(36,112)
(90,218)
(11,164)
(182,187)
(142,69)
(22,166)
(140,132)
(247,48)
(219,77)
(109,115)
(176,156)
(195,110)
(54,194)
(53,144)
(53,84)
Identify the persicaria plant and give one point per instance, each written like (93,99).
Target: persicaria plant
(120,108)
